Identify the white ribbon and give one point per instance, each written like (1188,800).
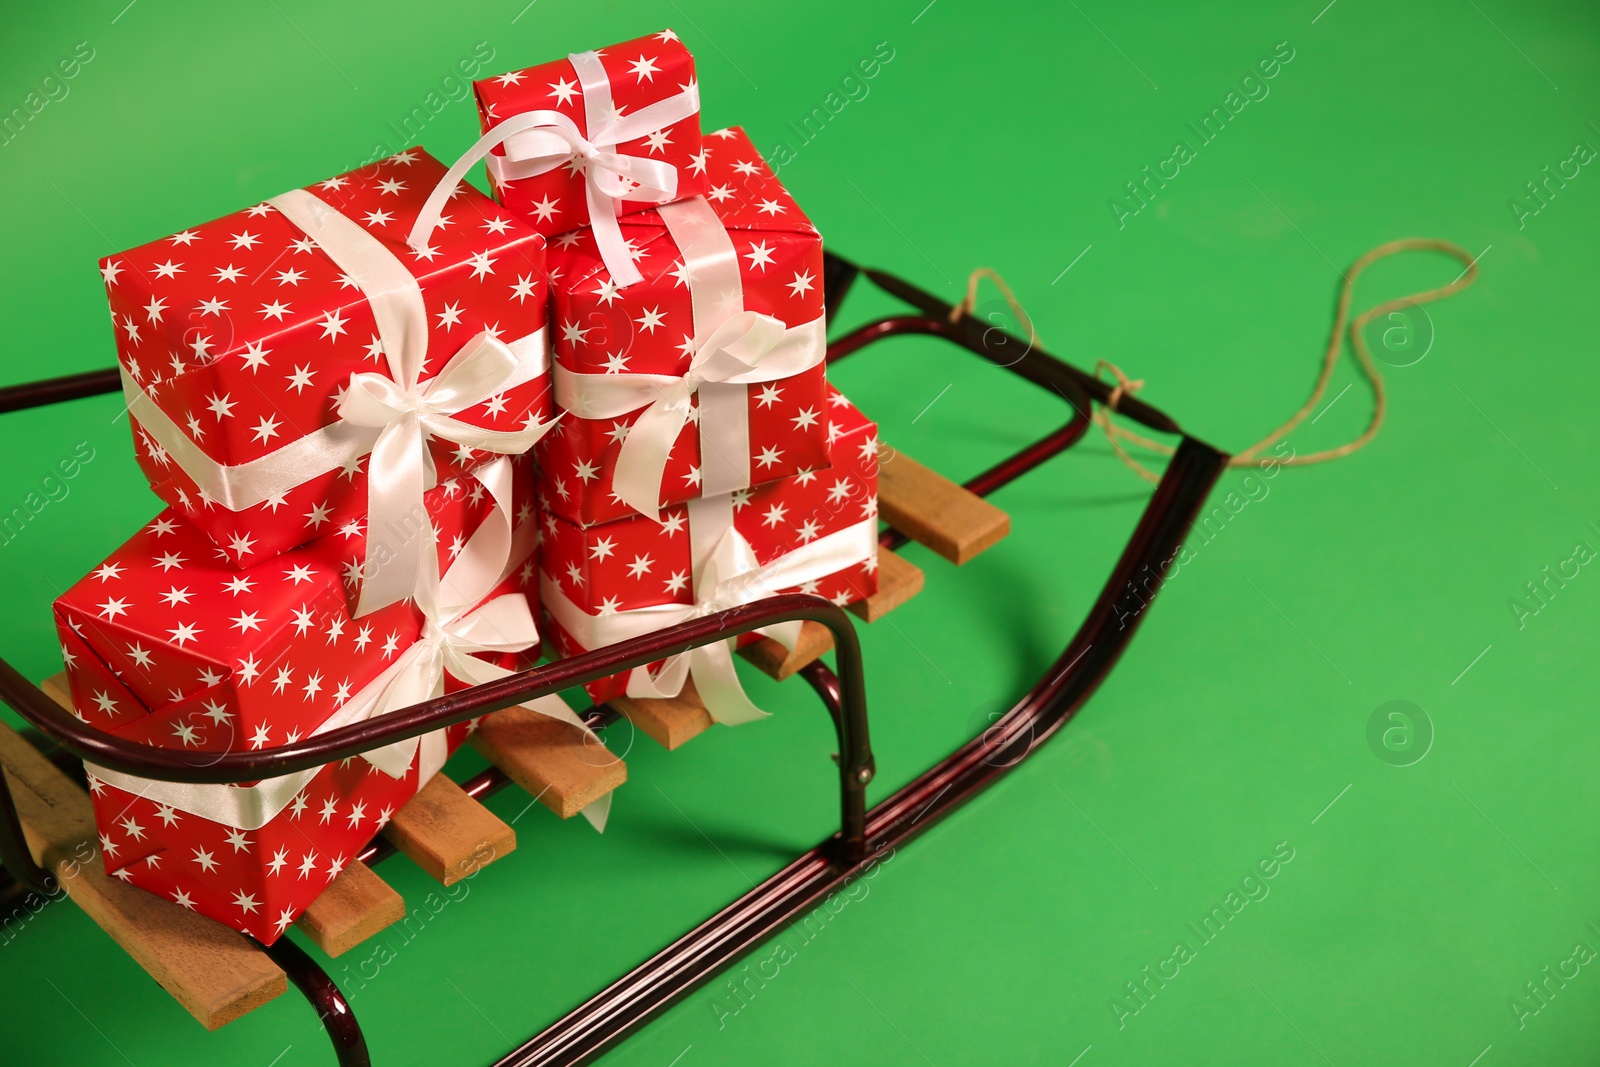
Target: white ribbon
(726,576)
(733,348)
(537,142)
(452,631)
(391,416)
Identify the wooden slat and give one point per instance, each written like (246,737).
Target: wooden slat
(670,721)
(57,688)
(447,833)
(931,509)
(217,974)
(898,582)
(562,768)
(779,662)
(356,905)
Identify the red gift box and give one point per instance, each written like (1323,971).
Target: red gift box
(616,130)
(814,532)
(705,377)
(260,880)
(168,646)
(267,352)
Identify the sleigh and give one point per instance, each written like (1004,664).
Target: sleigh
(48,843)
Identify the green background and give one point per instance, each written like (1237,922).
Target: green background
(1419,899)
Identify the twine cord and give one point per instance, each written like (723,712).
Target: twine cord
(1115,435)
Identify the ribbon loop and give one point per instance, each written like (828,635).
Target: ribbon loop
(734,351)
(407,415)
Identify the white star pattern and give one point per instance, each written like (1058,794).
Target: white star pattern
(563,90)
(544,209)
(760,256)
(801,284)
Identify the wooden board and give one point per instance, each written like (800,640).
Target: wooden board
(564,769)
(57,688)
(447,833)
(217,974)
(931,509)
(779,662)
(898,582)
(670,721)
(356,905)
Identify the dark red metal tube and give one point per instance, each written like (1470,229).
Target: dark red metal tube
(856,765)
(688,963)
(57,390)
(349,1043)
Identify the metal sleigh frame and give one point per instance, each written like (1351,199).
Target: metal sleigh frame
(627,1005)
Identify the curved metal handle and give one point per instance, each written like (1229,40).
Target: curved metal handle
(856,765)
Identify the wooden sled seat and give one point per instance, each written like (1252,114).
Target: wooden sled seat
(218,974)
(932,510)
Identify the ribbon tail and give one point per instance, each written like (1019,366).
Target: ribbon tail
(435,750)
(608,235)
(724,438)
(598,812)
(395,760)
(718,685)
(786,634)
(476,672)
(642,460)
(668,682)
(398,529)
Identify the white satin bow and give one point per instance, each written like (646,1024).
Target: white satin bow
(454,629)
(537,142)
(407,414)
(729,575)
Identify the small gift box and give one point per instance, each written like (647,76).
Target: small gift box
(297,365)
(813,532)
(583,140)
(706,377)
(168,646)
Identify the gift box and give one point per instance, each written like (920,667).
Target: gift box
(169,646)
(813,532)
(583,140)
(259,880)
(705,377)
(271,355)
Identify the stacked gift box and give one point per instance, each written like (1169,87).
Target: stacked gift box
(702,460)
(392,427)
(340,425)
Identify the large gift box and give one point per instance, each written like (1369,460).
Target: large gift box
(169,646)
(813,532)
(283,363)
(583,140)
(705,377)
